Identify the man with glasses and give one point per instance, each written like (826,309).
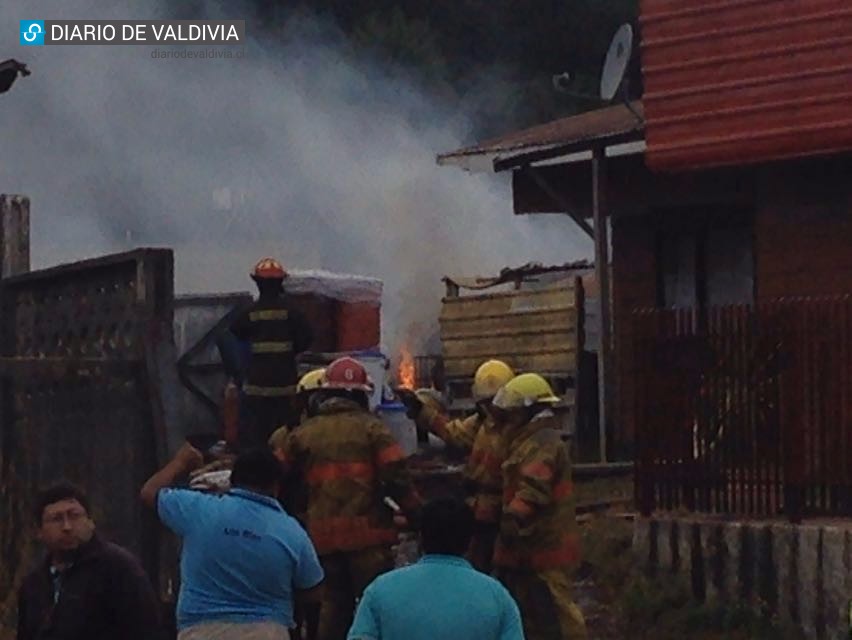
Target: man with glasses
(86,587)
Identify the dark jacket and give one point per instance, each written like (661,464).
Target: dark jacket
(105,594)
(277,334)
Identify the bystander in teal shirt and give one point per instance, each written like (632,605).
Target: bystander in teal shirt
(439,597)
(242,559)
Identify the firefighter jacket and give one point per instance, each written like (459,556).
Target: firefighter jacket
(276,335)
(486,446)
(349,462)
(538,527)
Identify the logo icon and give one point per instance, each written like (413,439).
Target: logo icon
(32,33)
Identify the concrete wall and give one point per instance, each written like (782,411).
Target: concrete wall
(800,573)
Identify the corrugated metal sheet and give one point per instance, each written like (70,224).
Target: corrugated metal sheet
(529,271)
(197,320)
(532,330)
(599,124)
(734,81)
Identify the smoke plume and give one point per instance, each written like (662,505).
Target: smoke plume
(303,150)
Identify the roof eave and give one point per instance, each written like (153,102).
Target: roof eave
(631,143)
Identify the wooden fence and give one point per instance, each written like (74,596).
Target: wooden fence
(745,409)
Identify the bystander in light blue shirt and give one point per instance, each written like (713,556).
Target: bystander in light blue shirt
(242,557)
(439,597)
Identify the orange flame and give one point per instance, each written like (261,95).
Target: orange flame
(406,369)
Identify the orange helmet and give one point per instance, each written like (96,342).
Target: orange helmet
(269,268)
(347,373)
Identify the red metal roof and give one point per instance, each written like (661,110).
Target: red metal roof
(591,126)
(737,81)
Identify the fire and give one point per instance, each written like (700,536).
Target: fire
(405,374)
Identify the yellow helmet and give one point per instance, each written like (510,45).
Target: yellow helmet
(311,381)
(489,378)
(525,390)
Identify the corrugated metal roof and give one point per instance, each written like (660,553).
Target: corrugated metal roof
(514,274)
(591,126)
(734,81)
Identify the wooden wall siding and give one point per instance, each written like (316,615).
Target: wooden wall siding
(634,285)
(536,330)
(738,81)
(803,231)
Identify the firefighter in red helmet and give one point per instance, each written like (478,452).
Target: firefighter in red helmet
(349,462)
(276,334)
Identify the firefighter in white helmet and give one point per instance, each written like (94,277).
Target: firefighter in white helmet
(486,446)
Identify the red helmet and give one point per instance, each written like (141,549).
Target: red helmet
(347,373)
(269,268)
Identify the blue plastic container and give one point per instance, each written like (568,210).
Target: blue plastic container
(400,425)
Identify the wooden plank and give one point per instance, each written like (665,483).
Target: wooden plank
(541,320)
(559,362)
(844,413)
(566,333)
(743,421)
(509,302)
(723,465)
(519,345)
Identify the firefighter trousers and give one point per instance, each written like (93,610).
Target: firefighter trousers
(545,599)
(347,574)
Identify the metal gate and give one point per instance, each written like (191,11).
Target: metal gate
(745,409)
(87,349)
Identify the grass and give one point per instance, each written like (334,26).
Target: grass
(662,607)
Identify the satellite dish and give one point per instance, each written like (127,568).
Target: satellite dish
(616,61)
(562,82)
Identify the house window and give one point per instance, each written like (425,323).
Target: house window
(706,263)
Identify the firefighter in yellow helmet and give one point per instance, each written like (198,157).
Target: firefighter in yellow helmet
(538,544)
(306,390)
(476,435)
(276,334)
(350,462)
(294,497)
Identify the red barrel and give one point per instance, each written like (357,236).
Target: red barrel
(358,325)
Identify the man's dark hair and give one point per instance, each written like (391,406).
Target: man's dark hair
(57,493)
(446,527)
(256,469)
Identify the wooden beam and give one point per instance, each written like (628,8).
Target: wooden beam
(523,159)
(545,186)
(14,235)
(601,237)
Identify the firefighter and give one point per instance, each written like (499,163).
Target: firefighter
(538,544)
(308,385)
(486,446)
(350,463)
(276,335)
(307,399)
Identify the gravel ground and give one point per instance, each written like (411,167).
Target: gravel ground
(600,621)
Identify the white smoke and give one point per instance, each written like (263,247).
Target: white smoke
(305,152)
